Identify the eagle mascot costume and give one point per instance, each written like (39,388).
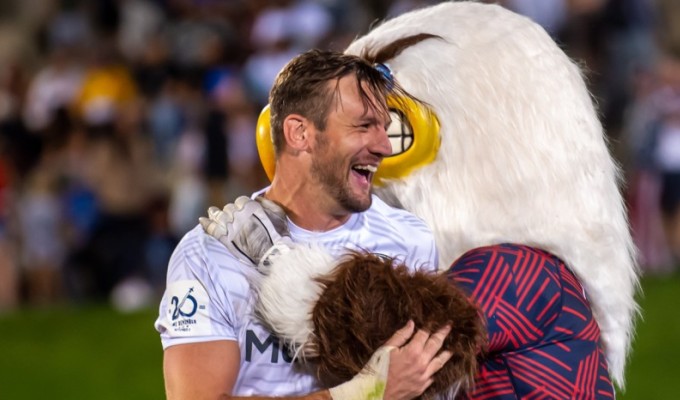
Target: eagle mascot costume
(504,157)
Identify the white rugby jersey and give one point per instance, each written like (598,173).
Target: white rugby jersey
(208,296)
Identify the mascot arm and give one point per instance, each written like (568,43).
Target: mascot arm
(513,290)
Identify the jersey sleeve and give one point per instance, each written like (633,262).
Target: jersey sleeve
(516,288)
(196,307)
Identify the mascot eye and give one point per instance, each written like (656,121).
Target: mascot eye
(399,132)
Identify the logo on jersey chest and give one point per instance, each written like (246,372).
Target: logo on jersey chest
(268,346)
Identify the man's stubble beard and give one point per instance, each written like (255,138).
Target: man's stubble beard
(330,171)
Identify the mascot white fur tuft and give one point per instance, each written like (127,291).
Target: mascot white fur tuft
(520,158)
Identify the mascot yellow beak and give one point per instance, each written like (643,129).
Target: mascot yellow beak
(265,144)
(414,134)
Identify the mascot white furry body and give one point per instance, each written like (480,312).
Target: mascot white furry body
(523,160)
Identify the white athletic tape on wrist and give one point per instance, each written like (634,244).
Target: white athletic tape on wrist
(370,383)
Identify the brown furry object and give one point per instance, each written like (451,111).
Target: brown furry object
(368,298)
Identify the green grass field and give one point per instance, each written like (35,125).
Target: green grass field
(654,370)
(80,353)
(96,353)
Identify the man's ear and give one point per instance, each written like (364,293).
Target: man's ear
(297,132)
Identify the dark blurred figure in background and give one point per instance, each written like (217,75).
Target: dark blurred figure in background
(652,136)
(649,145)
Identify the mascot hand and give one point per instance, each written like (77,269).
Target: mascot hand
(252,230)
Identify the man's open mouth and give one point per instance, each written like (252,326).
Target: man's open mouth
(365,171)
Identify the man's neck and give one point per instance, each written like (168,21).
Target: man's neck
(304,205)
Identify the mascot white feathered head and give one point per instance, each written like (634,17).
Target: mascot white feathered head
(523,157)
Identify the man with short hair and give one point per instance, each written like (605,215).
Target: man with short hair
(328,117)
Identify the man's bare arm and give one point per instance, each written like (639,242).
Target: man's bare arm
(208,370)
(200,370)
(323,395)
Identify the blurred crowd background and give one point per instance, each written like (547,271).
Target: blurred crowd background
(121,121)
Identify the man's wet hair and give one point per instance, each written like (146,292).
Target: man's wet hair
(309,85)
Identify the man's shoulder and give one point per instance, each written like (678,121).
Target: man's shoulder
(205,255)
(400,218)
(196,242)
(201,260)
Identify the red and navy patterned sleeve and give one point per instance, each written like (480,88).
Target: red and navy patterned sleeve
(543,339)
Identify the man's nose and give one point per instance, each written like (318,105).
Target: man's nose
(381,144)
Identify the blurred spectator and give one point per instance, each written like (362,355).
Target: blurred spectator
(68,27)
(9,272)
(216,163)
(43,248)
(140,23)
(309,23)
(125,180)
(244,162)
(22,148)
(667,157)
(644,187)
(653,138)
(279,32)
(159,245)
(165,121)
(628,46)
(189,191)
(54,87)
(107,87)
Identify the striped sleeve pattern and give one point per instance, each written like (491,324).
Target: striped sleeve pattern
(543,340)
